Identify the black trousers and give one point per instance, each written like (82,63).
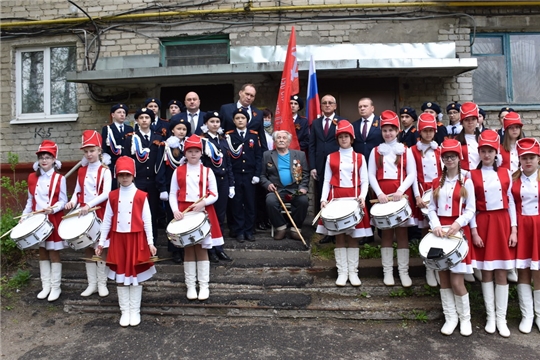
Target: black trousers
(299,209)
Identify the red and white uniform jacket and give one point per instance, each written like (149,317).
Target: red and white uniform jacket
(390,170)
(193,182)
(428,166)
(510,159)
(49,189)
(93,186)
(493,190)
(526,192)
(471,159)
(340,172)
(450,203)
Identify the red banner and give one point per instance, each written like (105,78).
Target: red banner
(289,86)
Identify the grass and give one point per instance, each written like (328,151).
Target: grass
(13,284)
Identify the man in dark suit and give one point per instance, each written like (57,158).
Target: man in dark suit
(322,142)
(146,148)
(367,130)
(286,171)
(114,135)
(193,113)
(246,96)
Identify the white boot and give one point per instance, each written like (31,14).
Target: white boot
(91,275)
(536,295)
(488,292)
(501,305)
(45,274)
(477,274)
(135,295)
(102,270)
(512,275)
(449,311)
(203,275)
(123,301)
(464,312)
(403,267)
(342,266)
(430,277)
(352,261)
(526,305)
(190,274)
(56,280)
(387,259)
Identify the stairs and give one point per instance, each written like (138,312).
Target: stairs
(268,278)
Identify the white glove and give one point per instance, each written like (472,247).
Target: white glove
(231,192)
(173,142)
(255,180)
(163,196)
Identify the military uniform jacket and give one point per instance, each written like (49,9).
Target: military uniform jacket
(245,154)
(410,137)
(255,123)
(113,142)
(222,167)
(301,124)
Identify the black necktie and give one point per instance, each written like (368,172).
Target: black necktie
(242,134)
(121,129)
(453,130)
(146,137)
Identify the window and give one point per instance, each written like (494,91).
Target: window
(190,51)
(43,94)
(508,69)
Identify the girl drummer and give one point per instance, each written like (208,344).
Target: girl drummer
(47,194)
(179,131)
(512,133)
(453,205)
(128,224)
(345,176)
(92,189)
(392,171)
(427,157)
(193,187)
(494,230)
(525,190)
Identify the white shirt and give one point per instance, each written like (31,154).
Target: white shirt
(450,128)
(472,151)
(41,193)
(369,123)
(331,117)
(91,197)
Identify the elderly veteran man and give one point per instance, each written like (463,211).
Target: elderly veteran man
(285,170)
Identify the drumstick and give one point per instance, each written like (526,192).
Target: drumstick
(7,232)
(33,212)
(390,197)
(78,213)
(195,203)
(70,172)
(448,236)
(290,217)
(316,218)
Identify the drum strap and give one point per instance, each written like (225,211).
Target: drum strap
(355,184)
(54,181)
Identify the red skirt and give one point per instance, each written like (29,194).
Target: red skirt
(54,241)
(126,253)
(362,229)
(494,229)
(389,187)
(465,266)
(528,246)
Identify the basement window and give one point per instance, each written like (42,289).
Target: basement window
(190,51)
(42,92)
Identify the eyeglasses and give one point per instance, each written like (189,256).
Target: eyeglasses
(328,103)
(45,157)
(449,157)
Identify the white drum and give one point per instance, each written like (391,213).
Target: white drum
(391,214)
(80,232)
(443,253)
(341,214)
(189,231)
(426,198)
(32,231)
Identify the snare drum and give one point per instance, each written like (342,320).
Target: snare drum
(189,231)
(80,232)
(392,214)
(32,231)
(426,198)
(442,253)
(341,214)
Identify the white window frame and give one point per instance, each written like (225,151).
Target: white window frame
(46,116)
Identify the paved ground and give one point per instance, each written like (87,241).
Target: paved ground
(39,330)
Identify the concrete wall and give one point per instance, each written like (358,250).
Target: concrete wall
(254,28)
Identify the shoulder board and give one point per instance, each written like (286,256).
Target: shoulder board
(229,132)
(413,130)
(130,134)
(439,123)
(253,132)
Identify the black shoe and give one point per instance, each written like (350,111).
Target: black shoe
(224,257)
(249,237)
(177,257)
(366,240)
(212,256)
(240,238)
(232,234)
(327,239)
(262,226)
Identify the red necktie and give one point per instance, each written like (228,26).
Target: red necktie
(364,130)
(326,126)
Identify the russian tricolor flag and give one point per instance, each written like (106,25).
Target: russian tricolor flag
(313,104)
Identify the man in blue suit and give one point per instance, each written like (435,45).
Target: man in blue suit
(246,96)
(322,142)
(193,113)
